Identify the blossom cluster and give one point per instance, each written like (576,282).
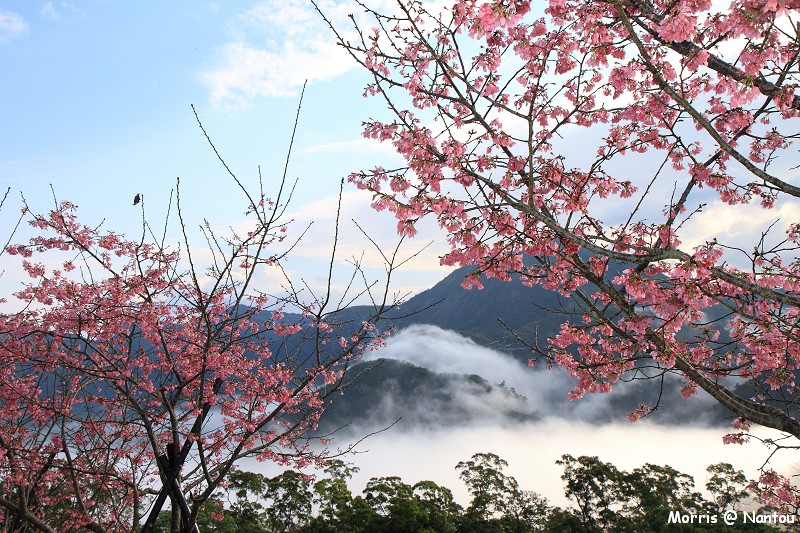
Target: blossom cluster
(119,356)
(688,104)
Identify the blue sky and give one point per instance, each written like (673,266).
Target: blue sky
(96,99)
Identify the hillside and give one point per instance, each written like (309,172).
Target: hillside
(483,314)
(386,391)
(426,394)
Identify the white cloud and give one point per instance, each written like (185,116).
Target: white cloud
(278,45)
(546,391)
(353,146)
(12,25)
(248,71)
(56,11)
(531,448)
(441,350)
(380,226)
(740,225)
(308,261)
(49,12)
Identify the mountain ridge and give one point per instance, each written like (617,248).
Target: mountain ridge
(495,317)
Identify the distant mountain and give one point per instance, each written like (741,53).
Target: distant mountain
(488,315)
(386,391)
(378,395)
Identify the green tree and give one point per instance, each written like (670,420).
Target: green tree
(337,510)
(258,504)
(563,521)
(289,500)
(726,485)
(396,507)
(613,500)
(525,510)
(487,484)
(652,492)
(248,510)
(497,503)
(597,488)
(439,505)
(206,520)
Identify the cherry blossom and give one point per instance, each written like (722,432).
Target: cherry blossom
(128,378)
(681,106)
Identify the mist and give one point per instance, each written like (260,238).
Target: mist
(530,430)
(531,450)
(550,426)
(544,391)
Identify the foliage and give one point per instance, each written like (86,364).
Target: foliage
(609,499)
(289,500)
(596,487)
(607,140)
(337,509)
(617,501)
(727,486)
(497,498)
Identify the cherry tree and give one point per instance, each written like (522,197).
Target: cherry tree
(634,155)
(135,372)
